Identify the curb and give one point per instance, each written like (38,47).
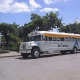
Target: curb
(11,54)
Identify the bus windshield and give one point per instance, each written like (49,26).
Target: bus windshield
(34,38)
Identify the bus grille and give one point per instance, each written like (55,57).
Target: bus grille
(24,47)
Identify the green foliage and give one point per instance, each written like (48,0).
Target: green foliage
(14,47)
(51,20)
(3,49)
(40,23)
(7,30)
(71,28)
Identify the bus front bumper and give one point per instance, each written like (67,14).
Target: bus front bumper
(25,51)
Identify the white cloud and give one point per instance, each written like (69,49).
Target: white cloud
(48,1)
(53,1)
(19,7)
(13,7)
(49,9)
(6,1)
(34,4)
(5,5)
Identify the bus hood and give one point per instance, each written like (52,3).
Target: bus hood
(28,45)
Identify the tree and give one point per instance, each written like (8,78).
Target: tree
(71,28)
(7,31)
(26,29)
(50,20)
(37,21)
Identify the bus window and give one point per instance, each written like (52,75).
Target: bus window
(58,39)
(45,38)
(72,39)
(65,39)
(54,39)
(50,38)
(62,39)
(79,39)
(68,39)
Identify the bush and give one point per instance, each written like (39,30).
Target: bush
(4,48)
(4,51)
(14,47)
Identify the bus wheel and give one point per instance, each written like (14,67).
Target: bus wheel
(35,53)
(74,50)
(63,52)
(24,55)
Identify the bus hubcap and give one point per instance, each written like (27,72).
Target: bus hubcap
(36,53)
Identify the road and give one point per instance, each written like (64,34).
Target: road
(47,67)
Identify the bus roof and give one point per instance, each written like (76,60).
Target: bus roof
(56,34)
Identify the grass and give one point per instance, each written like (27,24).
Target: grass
(4,51)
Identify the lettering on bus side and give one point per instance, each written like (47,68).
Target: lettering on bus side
(64,45)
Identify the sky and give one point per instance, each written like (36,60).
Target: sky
(19,11)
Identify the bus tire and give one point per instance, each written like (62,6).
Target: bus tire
(24,55)
(74,50)
(63,52)
(35,53)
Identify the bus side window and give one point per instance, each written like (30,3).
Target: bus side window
(44,38)
(62,39)
(65,39)
(50,38)
(78,39)
(72,39)
(58,39)
(54,39)
(68,39)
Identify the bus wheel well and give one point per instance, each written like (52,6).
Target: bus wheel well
(74,50)
(74,47)
(35,47)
